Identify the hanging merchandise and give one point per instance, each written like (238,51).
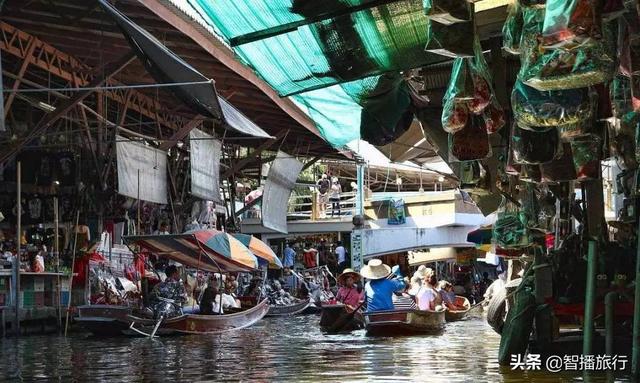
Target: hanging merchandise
(459,95)
(560,169)
(569,131)
(534,108)
(470,143)
(534,146)
(512,29)
(564,68)
(470,172)
(612,9)
(396,212)
(448,12)
(481,76)
(586,156)
(510,230)
(494,118)
(530,173)
(568,23)
(451,40)
(622,101)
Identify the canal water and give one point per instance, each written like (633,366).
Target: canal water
(275,349)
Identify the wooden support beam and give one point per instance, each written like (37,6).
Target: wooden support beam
(23,68)
(66,105)
(247,160)
(182,133)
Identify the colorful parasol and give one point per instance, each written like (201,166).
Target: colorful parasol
(260,249)
(225,244)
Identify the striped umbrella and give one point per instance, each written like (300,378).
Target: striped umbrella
(260,249)
(226,245)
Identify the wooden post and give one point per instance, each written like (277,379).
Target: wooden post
(73,262)
(18,244)
(138,218)
(56,249)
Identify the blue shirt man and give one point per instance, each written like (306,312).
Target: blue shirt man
(379,293)
(289,257)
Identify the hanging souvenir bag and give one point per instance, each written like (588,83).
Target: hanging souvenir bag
(510,230)
(534,146)
(470,143)
(571,23)
(586,156)
(448,12)
(560,169)
(512,29)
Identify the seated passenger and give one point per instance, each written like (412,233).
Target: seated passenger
(379,290)
(171,289)
(349,293)
(403,300)
(426,296)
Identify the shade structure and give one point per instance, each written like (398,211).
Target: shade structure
(226,245)
(259,249)
(190,250)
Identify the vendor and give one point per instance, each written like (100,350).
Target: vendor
(379,290)
(171,288)
(349,293)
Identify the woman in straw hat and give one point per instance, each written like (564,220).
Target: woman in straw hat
(349,293)
(379,290)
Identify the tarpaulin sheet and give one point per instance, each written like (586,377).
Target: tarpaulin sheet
(205,165)
(151,164)
(167,67)
(281,180)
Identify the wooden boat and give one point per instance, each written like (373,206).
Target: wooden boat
(118,320)
(404,322)
(455,315)
(312,309)
(332,314)
(293,309)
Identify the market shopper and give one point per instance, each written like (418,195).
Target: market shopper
(334,196)
(309,256)
(379,289)
(323,194)
(289,256)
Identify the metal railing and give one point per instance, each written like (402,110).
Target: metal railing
(308,207)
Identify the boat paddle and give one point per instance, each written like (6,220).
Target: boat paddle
(343,320)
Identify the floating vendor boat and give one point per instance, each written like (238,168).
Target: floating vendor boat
(404,322)
(292,309)
(456,315)
(338,318)
(194,250)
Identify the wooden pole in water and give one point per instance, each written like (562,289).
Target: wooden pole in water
(73,262)
(18,243)
(56,249)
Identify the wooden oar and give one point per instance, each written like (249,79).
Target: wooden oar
(342,321)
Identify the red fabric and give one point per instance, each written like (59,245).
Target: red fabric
(309,258)
(138,264)
(80,269)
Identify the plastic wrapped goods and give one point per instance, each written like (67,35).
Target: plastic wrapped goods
(448,12)
(571,23)
(455,114)
(534,147)
(460,93)
(586,156)
(481,76)
(560,169)
(510,230)
(512,29)
(494,118)
(534,108)
(470,143)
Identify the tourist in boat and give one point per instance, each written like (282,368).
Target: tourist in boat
(349,293)
(448,296)
(426,295)
(403,300)
(172,288)
(210,301)
(379,290)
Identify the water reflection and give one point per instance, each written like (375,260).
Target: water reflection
(276,349)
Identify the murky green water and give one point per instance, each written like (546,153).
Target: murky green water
(276,349)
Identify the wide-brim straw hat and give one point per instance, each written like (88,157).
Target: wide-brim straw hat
(375,269)
(348,272)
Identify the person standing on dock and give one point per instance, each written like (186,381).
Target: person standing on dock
(341,254)
(379,289)
(289,256)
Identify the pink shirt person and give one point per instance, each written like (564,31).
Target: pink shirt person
(350,296)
